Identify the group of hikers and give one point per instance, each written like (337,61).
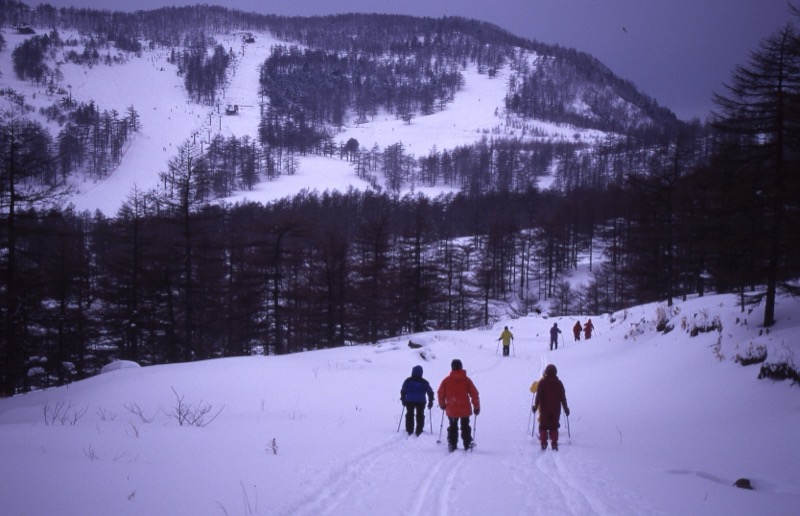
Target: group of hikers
(576,331)
(507,337)
(587,330)
(459,399)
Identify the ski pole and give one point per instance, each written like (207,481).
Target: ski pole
(441,425)
(569,435)
(430,418)
(401,417)
(475,428)
(530,412)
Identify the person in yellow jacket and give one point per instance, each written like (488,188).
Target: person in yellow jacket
(506,337)
(534,386)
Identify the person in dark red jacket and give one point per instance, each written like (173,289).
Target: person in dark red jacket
(459,398)
(587,329)
(550,397)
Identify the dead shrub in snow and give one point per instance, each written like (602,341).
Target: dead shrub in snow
(188,414)
(62,412)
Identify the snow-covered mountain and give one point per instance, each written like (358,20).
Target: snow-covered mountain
(661,423)
(148,82)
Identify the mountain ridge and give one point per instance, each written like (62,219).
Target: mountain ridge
(120,47)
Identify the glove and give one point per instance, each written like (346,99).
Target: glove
(533,409)
(566,411)
(404,403)
(477,411)
(430,404)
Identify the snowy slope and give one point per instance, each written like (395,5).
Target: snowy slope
(659,425)
(150,84)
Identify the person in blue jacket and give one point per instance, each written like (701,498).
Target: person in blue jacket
(554,331)
(413,393)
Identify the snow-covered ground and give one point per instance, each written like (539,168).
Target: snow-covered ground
(150,84)
(659,425)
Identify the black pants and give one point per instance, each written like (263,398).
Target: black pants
(553,344)
(505,350)
(452,432)
(415,413)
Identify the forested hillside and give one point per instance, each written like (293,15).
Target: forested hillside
(656,207)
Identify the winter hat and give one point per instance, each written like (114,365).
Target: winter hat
(416,371)
(456,365)
(550,370)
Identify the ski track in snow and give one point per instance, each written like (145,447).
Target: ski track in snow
(543,482)
(434,495)
(355,486)
(340,490)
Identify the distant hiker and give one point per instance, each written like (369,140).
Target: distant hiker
(506,337)
(412,394)
(576,330)
(587,329)
(550,397)
(554,331)
(458,397)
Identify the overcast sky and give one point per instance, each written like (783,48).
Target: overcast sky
(677,51)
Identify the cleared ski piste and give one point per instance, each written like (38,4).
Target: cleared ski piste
(659,425)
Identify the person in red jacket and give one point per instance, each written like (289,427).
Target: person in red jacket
(587,329)
(459,398)
(550,397)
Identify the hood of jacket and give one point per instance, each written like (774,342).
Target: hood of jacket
(416,371)
(459,374)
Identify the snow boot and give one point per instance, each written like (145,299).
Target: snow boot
(543,438)
(554,445)
(451,447)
